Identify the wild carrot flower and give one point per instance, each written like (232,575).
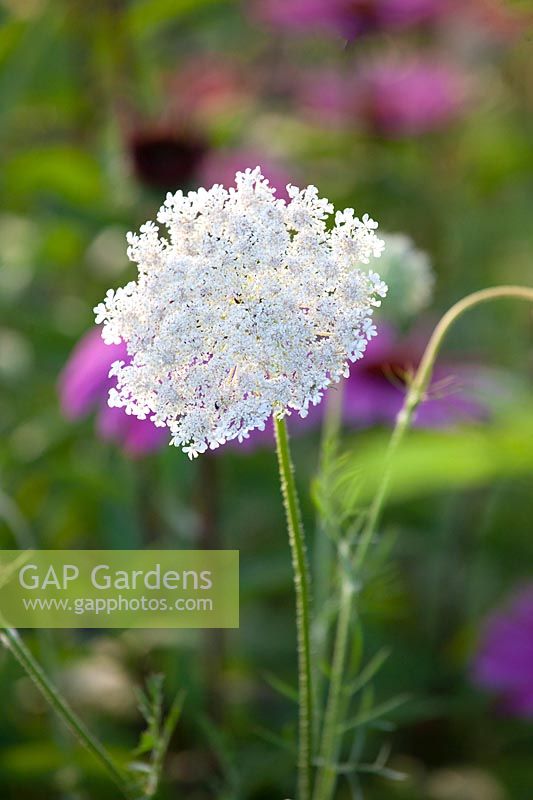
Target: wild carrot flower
(250,307)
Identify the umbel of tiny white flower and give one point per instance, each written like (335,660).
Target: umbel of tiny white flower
(407,271)
(250,307)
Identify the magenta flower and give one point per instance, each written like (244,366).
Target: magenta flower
(404,98)
(393,97)
(375,391)
(84,385)
(220,166)
(348,18)
(329,97)
(503,663)
(300,15)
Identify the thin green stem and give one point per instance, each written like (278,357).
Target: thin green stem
(303,608)
(416,394)
(326,533)
(69,717)
(330,742)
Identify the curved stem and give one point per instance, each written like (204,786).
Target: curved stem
(326,780)
(416,392)
(50,693)
(303,611)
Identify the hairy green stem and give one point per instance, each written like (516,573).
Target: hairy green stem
(330,745)
(69,717)
(326,534)
(303,608)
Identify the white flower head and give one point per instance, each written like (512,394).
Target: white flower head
(250,307)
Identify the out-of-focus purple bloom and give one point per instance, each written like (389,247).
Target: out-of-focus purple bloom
(349,18)
(220,167)
(299,15)
(503,663)
(393,97)
(328,97)
(84,385)
(402,98)
(375,390)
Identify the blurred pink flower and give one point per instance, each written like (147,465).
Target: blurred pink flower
(220,166)
(205,86)
(399,98)
(393,97)
(503,663)
(349,18)
(375,391)
(329,97)
(84,386)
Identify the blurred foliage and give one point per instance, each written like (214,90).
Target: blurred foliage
(435,461)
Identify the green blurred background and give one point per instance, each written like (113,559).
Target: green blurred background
(94,98)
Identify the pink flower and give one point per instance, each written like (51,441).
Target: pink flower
(166,153)
(348,18)
(375,391)
(503,663)
(393,97)
(84,385)
(399,98)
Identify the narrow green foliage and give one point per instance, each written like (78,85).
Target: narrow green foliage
(156,737)
(11,639)
(368,672)
(373,714)
(282,687)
